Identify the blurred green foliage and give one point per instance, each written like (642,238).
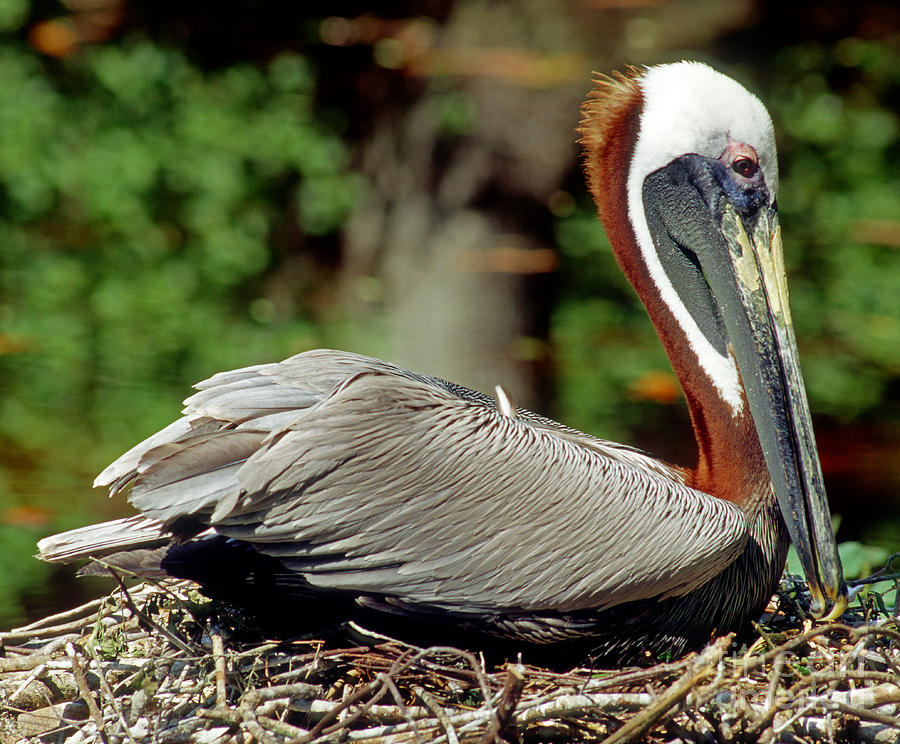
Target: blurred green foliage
(141,199)
(601,334)
(21,575)
(840,181)
(841,175)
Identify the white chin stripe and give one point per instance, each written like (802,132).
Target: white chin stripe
(691,108)
(721,369)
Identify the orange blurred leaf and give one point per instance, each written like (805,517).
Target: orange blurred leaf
(656,386)
(509,259)
(13,344)
(24,515)
(57,38)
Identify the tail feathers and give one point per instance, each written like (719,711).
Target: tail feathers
(121,472)
(143,562)
(97,540)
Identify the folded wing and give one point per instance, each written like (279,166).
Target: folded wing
(363,477)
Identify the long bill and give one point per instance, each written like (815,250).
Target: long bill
(758,322)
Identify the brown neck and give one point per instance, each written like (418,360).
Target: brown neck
(730,461)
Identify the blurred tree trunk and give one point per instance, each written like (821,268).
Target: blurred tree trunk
(457,230)
(455,240)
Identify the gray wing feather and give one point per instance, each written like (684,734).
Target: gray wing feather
(194,477)
(366,477)
(103,538)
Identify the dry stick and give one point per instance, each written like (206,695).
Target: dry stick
(589,689)
(218,649)
(376,686)
(531,711)
(401,730)
(821,729)
(364,710)
(617,679)
(564,706)
(417,656)
(303,690)
(29,662)
(254,652)
(379,713)
(762,724)
(76,612)
(85,691)
(105,688)
(380,689)
(282,728)
(892,664)
(853,634)
(763,660)
(853,655)
(414,655)
(774,678)
(438,712)
(398,699)
(890,690)
(302,671)
(874,697)
(841,675)
(40,633)
(677,691)
(256,730)
(506,707)
(35,674)
(469,657)
(798,716)
(147,620)
(862,713)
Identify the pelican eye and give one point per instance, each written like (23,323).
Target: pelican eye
(745,167)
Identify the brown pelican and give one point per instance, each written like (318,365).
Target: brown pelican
(394,495)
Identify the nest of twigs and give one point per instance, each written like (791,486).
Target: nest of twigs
(149,664)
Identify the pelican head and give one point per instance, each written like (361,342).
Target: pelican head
(682,164)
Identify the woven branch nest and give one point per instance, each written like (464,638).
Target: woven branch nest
(148,664)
